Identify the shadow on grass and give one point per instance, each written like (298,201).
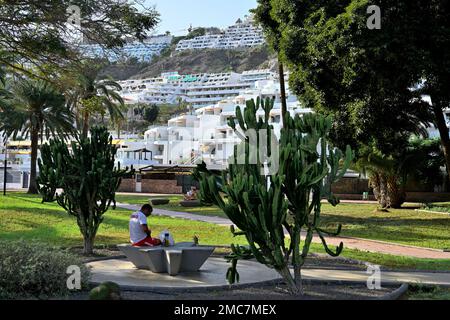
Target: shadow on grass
(433,230)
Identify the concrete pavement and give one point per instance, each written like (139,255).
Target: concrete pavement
(212,274)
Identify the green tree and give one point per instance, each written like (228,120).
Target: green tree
(338,64)
(341,67)
(265,195)
(151,114)
(182,106)
(420,161)
(36,109)
(424,162)
(87,176)
(37,32)
(91,96)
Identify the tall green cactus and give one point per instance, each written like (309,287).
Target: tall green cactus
(87,177)
(264,204)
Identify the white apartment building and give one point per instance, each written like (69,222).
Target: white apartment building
(204,135)
(243,34)
(142,51)
(198,90)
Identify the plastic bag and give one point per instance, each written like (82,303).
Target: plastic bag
(162,236)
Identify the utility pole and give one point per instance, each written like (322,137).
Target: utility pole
(5,166)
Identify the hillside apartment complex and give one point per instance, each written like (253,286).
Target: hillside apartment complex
(243,34)
(198,90)
(142,51)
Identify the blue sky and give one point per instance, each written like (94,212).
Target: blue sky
(177,15)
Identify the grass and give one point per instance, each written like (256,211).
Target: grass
(173,205)
(23,216)
(443,207)
(417,292)
(404,226)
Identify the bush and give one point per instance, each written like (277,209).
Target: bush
(105,291)
(36,271)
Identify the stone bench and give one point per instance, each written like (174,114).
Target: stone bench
(182,257)
(158,202)
(191,203)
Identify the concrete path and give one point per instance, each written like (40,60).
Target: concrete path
(352,243)
(212,274)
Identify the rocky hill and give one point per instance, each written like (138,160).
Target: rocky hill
(196,61)
(210,60)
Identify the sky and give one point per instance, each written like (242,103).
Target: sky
(177,15)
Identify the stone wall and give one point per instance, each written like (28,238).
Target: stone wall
(161,186)
(345,189)
(421,197)
(351,186)
(127,185)
(151,186)
(427,197)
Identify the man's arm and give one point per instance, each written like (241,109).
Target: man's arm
(147,231)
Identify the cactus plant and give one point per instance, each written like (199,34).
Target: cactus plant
(263,204)
(87,177)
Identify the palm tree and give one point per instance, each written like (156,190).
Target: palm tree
(35,109)
(386,177)
(420,160)
(91,96)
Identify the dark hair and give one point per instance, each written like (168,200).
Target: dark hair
(147,207)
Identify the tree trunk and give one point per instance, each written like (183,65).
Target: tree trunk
(374,180)
(282,92)
(396,192)
(85,124)
(379,185)
(384,200)
(443,132)
(32,189)
(290,282)
(88,248)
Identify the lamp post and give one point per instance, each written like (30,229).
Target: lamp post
(5,169)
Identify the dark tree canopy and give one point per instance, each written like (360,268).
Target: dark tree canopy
(365,77)
(37,32)
(151,113)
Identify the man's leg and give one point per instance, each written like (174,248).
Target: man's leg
(148,242)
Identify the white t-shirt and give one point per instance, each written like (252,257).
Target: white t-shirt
(137,219)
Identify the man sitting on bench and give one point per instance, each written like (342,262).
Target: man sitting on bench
(191,195)
(140,234)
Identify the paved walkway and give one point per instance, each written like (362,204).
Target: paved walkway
(212,275)
(352,243)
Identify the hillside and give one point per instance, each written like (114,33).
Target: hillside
(189,62)
(121,71)
(210,60)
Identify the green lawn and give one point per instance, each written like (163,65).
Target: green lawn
(25,217)
(173,205)
(405,226)
(417,292)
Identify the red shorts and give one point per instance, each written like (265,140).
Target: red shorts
(147,242)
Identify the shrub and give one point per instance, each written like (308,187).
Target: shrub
(36,271)
(105,291)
